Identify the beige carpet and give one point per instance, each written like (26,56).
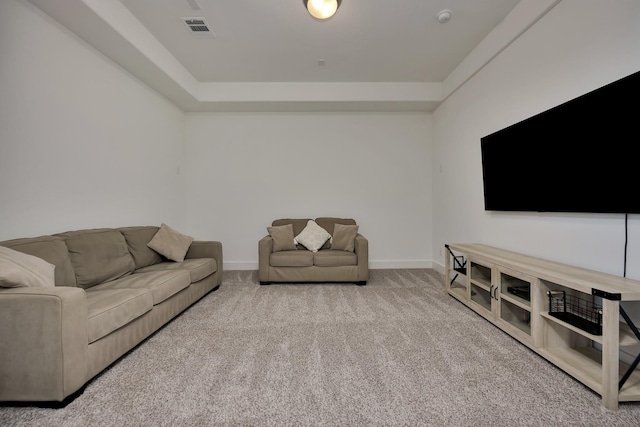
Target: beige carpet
(397,352)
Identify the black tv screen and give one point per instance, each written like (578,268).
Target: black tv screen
(577,157)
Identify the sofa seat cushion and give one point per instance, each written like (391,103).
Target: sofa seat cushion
(334,258)
(114,308)
(198,268)
(301,258)
(162,284)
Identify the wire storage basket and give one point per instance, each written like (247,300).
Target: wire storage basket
(576,311)
(460,264)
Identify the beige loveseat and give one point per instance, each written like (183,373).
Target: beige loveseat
(111,292)
(342,258)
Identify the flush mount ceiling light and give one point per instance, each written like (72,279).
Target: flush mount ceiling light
(322,9)
(444,16)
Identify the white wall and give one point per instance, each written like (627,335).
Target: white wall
(82,143)
(245,170)
(578,46)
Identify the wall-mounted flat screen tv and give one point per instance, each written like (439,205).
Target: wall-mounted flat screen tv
(577,157)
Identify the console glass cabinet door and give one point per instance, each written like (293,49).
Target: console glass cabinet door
(514,302)
(481,288)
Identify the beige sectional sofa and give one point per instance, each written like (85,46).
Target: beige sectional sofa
(111,292)
(344,257)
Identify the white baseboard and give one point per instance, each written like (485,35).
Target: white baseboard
(388,264)
(240,265)
(437,267)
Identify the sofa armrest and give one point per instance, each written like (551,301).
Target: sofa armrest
(207,249)
(361,249)
(265,247)
(43,336)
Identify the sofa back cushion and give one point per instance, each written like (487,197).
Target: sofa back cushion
(51,249)
(137,239)
(298,224)
(327,223)
(98,255)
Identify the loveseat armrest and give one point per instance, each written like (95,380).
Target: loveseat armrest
(361,248)
(207,249)
(265,247)
(43,343)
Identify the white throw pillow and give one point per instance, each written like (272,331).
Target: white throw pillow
(19,270)
(313,236)
(170,243)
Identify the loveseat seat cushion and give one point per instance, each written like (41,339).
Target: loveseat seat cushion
(198,268)
(98,255)
(334,258)
(162,284)
(114,308)
(300,258)
(51,249)
(137,239)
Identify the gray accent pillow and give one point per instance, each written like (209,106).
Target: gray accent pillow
(344,237)
(52,249)
(328,222)
(170,243)
(282,236)
(19,270)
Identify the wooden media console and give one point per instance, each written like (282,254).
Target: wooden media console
(571,316)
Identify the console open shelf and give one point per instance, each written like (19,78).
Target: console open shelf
(583,334)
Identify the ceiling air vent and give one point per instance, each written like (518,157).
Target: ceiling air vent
(198,27)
